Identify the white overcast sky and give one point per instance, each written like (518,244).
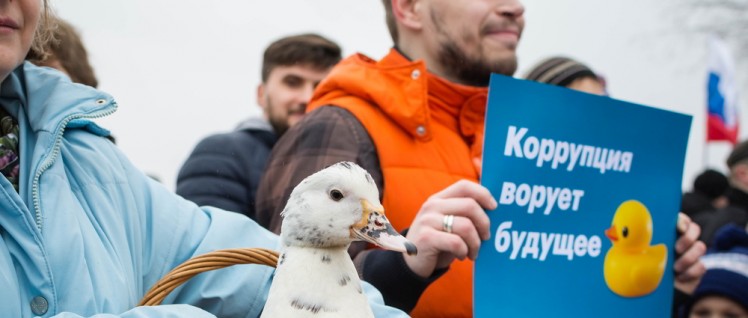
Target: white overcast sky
(183,69)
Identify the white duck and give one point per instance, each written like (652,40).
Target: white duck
(315,276)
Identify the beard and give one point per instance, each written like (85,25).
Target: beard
(471,70)
(279,126)
(278,120)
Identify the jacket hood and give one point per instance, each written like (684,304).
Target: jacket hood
(255,123)
(399,90)
(409,95)
(49,97)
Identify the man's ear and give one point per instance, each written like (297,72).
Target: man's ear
(408,13)
(261,96)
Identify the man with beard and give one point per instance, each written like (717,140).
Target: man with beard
(224,170)
(415,120)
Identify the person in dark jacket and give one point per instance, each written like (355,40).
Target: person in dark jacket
(708,194)
(737,210)
(224,170)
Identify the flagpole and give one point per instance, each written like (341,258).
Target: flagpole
(705,159)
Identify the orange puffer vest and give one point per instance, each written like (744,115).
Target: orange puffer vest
(427,132)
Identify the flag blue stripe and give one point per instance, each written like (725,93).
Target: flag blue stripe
(715,99)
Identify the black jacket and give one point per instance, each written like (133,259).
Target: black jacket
(693,203)
(712,220)
(224,170)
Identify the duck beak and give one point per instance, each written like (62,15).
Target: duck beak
(611,233)
(376,229)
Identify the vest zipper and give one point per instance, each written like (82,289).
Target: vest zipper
(55,152)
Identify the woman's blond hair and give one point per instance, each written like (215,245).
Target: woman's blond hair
(44,33)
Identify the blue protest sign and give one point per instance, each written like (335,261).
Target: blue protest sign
(589,190)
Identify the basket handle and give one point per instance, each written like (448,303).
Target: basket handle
(203,263)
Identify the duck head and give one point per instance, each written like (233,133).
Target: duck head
(335,206)
(631,227)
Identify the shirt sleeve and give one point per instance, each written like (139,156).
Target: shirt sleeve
(324,137)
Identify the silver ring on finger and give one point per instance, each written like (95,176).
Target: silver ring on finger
(447,222)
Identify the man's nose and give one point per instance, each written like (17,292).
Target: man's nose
(511,9)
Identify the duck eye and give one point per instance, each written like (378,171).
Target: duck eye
(336,195)
(625,231)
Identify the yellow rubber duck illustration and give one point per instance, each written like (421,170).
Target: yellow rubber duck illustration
(632,267)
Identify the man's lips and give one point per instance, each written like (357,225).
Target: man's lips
(507,37)
(504,33)
(502,29)
(507,33)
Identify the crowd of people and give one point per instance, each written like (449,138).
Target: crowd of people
(84,232)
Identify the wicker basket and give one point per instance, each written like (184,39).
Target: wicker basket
(203,263)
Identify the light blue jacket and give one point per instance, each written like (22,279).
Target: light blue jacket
(90,234)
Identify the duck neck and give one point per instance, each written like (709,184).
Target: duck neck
(320,278)
(320,266)
(323,255)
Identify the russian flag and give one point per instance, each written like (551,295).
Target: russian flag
(722,99)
